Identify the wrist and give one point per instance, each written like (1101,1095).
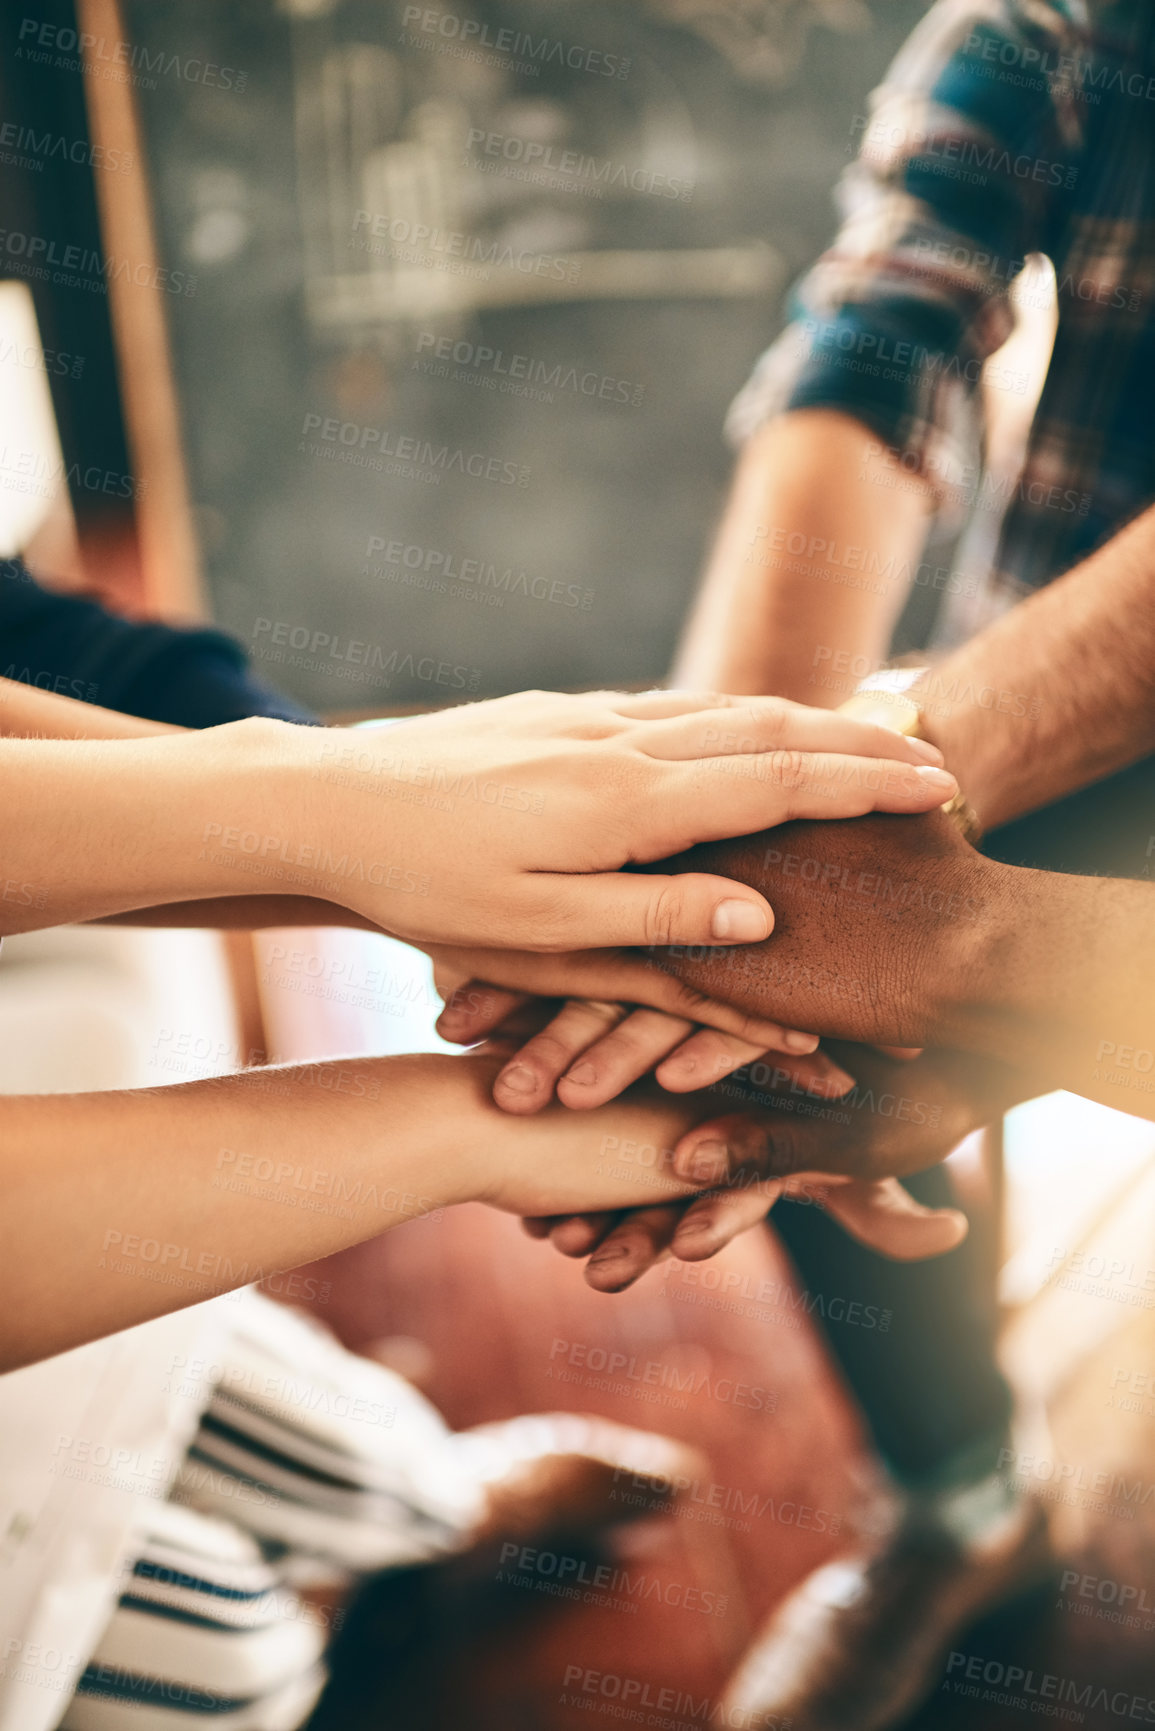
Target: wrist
(895,698)
(420,1124)
(261,828)
(468,1135)
(973,749)
(965,983)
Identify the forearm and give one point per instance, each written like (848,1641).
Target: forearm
(1058,693)
(120,1207)
(29,713)
(100,827)
(810,568)
(244,914)
(1058,974)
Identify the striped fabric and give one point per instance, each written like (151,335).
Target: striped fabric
(329,1455)
(309,1464)
(206,1630)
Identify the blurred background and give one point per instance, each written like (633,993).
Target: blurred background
(401,343)
(532,247)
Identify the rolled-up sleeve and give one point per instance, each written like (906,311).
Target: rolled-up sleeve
(968,160)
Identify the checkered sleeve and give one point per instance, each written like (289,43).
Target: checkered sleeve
(967,158)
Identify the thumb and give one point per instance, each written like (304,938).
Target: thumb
(886,1218)
(474,1009)
(597,910)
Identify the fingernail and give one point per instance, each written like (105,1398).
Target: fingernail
(613,1254)
(692,1229)
(838,1082)
(519,1079)
(705,1163)
(940,779)
(583,1074)
(796,1041)
(740,922)
(924,749)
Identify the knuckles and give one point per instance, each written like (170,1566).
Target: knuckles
(789,769)
(665,915)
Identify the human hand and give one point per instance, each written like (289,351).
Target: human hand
(559,1162)
(621,1016)
(877,924)
(621,1247)
(589,1051)
(882,1214)
(634,1146)
(900,1116)
(510,822)
(631,1154)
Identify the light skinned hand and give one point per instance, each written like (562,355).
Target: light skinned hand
(516,817)
(487,990)
(588,1051)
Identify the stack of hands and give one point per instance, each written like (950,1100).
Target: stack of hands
(644,995)
(581,1027)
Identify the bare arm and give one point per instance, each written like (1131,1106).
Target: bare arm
(121,1207)
(1059,692)
(29,713)
(814,553)
(535,803)
(26,712)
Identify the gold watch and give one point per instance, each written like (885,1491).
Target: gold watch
(884,699)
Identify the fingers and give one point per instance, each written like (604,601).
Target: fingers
(474,1010)
(592,1051)
(630,1050)
(727,796)
(604,909)
(767,1145)
(572,1234)
(619,976)
(640,1239)
(527,1082)
(707,1056)
(691,1230)
(711,1222)
(881,1215)
(749,726)
(539,1225)
(578,1234)
(648,1040)
(887,1218)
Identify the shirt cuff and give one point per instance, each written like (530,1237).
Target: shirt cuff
(926,421)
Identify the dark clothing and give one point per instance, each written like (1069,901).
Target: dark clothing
(189,676)
(920,1360)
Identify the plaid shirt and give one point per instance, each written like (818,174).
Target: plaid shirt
(1004,128)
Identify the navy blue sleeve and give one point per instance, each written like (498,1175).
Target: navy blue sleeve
(189,676)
